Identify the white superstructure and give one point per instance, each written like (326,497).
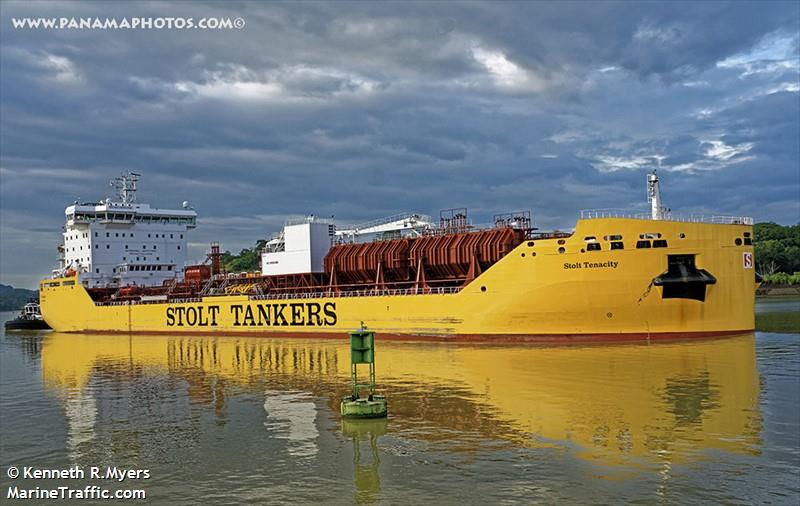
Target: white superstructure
(301,246)
(125,243)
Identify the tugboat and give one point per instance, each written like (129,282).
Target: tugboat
(30,318)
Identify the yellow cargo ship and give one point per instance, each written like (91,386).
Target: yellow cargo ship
(614,278)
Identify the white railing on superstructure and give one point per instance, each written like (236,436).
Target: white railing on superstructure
(668,216)
(422,218)
(300,220)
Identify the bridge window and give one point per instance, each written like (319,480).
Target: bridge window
(615,237)
(617,245)
(593,246)
(660,243)
(642,244)
(748,241)
(650,235)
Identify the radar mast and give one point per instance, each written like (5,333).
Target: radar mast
(126,186)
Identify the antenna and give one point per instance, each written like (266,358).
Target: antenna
(654,196)
(125,185)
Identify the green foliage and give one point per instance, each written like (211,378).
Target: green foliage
(12,299)
(777,248)
(248,260)
(782,278)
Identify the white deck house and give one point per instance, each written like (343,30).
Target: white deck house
(303,243)
(125,243)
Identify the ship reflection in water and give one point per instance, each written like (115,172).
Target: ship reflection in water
(270,406)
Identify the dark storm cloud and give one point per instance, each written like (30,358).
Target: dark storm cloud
(360,110)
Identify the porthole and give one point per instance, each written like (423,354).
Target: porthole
(533,253)
(738,241)
(523,255)
(682,235)
(583,250)
(483,288)
(562,250)
(561,241)
(530,244)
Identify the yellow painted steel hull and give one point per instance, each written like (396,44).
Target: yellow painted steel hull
(534,292)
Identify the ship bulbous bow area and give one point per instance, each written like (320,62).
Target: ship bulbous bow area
(683,280)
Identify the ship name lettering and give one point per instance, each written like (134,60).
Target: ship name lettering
(279,314)
(297,314)
(610,264)
(192,316)
(312,314)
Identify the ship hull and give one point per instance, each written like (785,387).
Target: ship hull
(553,290)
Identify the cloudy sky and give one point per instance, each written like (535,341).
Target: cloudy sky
(361,110)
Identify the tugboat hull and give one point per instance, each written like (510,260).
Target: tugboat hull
(25,324)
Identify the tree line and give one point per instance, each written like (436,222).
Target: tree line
(777,252)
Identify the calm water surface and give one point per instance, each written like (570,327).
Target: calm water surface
(237,420)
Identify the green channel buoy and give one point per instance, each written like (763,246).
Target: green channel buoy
(362,351)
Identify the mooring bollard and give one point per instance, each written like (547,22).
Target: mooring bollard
(362,351)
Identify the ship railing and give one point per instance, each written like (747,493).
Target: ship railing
(359,293)
(138,302)
(441,290)
(421,218)
(589,214)
(301,220)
